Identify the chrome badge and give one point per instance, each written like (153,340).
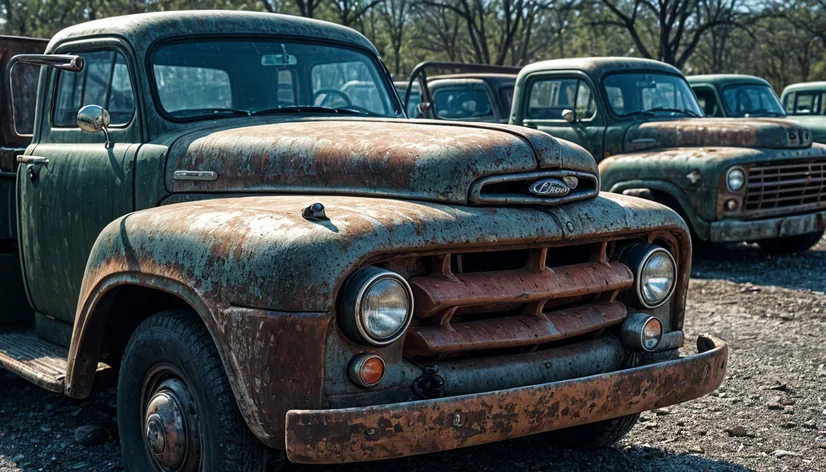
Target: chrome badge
(549,188)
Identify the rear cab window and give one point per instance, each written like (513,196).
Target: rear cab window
(462,104)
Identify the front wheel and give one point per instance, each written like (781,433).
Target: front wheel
(176,410)
(790,244)
(594,435)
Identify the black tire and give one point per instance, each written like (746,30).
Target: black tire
(169,353)
(790,244)
(594,435)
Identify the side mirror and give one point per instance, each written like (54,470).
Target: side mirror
(424,108)
(94,118)
(569,115)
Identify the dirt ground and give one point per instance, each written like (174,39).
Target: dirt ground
(770,413)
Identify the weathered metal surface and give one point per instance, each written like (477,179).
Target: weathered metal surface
(435,294)
(677,161)
(387,431)
(815,123)
(512,331)
(225,251)
(768,228)
(766,133)
(424,160)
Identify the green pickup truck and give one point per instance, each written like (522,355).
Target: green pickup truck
(231,212)
(804,104)
(732,180)
(735,96)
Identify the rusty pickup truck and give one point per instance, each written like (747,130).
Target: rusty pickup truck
(231,212)
(756,180)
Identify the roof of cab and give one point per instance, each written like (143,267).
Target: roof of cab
(804,86)
(141,30)
(723,80)
(597,67)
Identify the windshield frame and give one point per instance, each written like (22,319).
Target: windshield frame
(751,84)
(636,115)
(384,75)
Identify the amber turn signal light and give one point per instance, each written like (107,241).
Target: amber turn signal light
(366,370)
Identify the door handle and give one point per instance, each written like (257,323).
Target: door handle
(33,160)
(529,125)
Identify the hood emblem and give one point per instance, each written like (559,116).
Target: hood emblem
(549,188)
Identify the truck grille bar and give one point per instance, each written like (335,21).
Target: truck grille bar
(798,185)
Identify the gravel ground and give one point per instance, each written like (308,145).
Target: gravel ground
(770,414)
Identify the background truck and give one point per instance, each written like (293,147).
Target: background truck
(735,96)
(231,212)
(731,179)
(460,92)
(804,104)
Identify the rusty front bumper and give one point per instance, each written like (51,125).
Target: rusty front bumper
(420,427)
(736,231)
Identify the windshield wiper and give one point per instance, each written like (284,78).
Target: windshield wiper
(674,110)
(639,112)
(307,109)
(186,113)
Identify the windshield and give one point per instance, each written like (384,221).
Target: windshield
(751,100)
(209,78)
(652,94)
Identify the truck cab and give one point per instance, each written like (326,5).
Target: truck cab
(732,180)
(272,262)
(735,96)
(460,92)
(803,103)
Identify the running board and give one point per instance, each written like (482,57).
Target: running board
(35,359)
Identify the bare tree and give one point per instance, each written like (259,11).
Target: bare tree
(438,32)
(395,14)
(350,11)
(675,27)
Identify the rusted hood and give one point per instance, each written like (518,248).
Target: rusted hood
(764,133)
(398,158)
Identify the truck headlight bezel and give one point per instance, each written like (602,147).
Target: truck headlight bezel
(640,258)
(362,311)
(738,176)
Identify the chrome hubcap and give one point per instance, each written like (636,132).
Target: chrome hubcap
(171,428)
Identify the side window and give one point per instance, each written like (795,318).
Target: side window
(806,103)
(177,95)
(586,107)
(462,104)
(550,97)
(506,96)
(788,102)
(103,81)
(708,102)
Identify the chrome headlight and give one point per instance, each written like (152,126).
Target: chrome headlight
(735,179)
(655,274)
(376,306)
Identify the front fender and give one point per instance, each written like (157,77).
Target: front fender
(264,279)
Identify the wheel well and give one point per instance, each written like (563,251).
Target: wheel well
(668,200)
(126,308)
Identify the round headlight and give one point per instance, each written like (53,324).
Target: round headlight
(655,274)
(376,306)
(642,332)
(735,179)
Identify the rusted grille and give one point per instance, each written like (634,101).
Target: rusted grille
(787,186)
(517,299)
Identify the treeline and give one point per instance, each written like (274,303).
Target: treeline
(783,41)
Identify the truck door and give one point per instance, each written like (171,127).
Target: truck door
(548,97)
(65,203)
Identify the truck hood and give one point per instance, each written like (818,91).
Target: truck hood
(766,133)
(434,161)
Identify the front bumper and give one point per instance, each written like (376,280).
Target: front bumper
(420,427)
(736,231)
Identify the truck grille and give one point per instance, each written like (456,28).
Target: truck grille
(481,303)
(795,185)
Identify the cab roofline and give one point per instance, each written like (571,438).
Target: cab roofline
(143,29)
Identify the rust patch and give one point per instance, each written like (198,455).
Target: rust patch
(404,429)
